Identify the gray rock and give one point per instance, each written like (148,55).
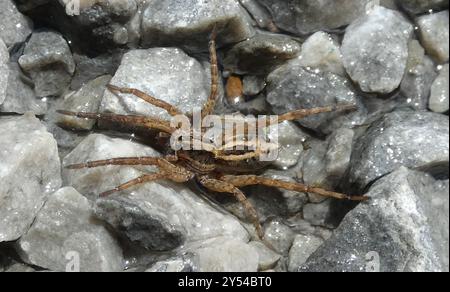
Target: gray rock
(253,85)
(30,171)
(339,153)
(279,236)
(224,254)
(290,139)
(20,97)
(267,257)
(141,213)
(433,29)
(321,51)
(420,73)
(171,22)
(4,70)
(302,248)
(375,50)
(416,140)
(439,92)
(48,60)
(87,99)
(259,14)
(261,54)
(319,214)
(292,87)
(181,263)
(155,71)
(404,227)
(92,68)
(422,6)
(64,231)
(14,27)
(305,17)
(19,268)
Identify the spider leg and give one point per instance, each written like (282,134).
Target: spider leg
(303,113)
(123,161)
(137,181)
(172,110)
(248,180)
(125,120)
(210,104)
(226,187)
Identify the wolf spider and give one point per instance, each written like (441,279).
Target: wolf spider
(217,171)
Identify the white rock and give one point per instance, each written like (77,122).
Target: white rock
(29,172)
(156,72)
(279,236)
(4,70)
(225,255)
(434,32)
(64,232)
(375,50)
(439,92)
(267,257)
(321,51)
(302,248)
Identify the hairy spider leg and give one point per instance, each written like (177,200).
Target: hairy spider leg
(248,180)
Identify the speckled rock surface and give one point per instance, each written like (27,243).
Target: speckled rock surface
(434,34)
(30,171)
(439,92)
(14,26)
(63,231)
(375,50)
(154,71)
(417,140)
(4,70)
(399,229)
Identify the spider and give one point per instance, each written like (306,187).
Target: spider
(216,170)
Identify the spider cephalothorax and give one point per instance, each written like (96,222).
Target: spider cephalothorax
(216,169)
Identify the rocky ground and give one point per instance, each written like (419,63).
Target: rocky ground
(388,57)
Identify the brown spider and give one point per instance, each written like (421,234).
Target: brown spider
(215,170)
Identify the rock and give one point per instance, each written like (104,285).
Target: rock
(375,50)
(30,171)
(253,85)
(302,248)
(182,263)
(320,214)
(259,14)
(339,153)
(92,68)
(313,170)
(155,71)
(404,227)
(292,87)
(171,22)
(87,99)
(420,73)
(140,213)
(64,231)
(422,6)
(261,54)
(439,92)
(416,140)
(290,139)
(267,257)
(4,70)
(433,29)
(14,27)
(279,236)
(306,17)
(20,97)
(48,60)
(321,51)
(224,254)
(220,254)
